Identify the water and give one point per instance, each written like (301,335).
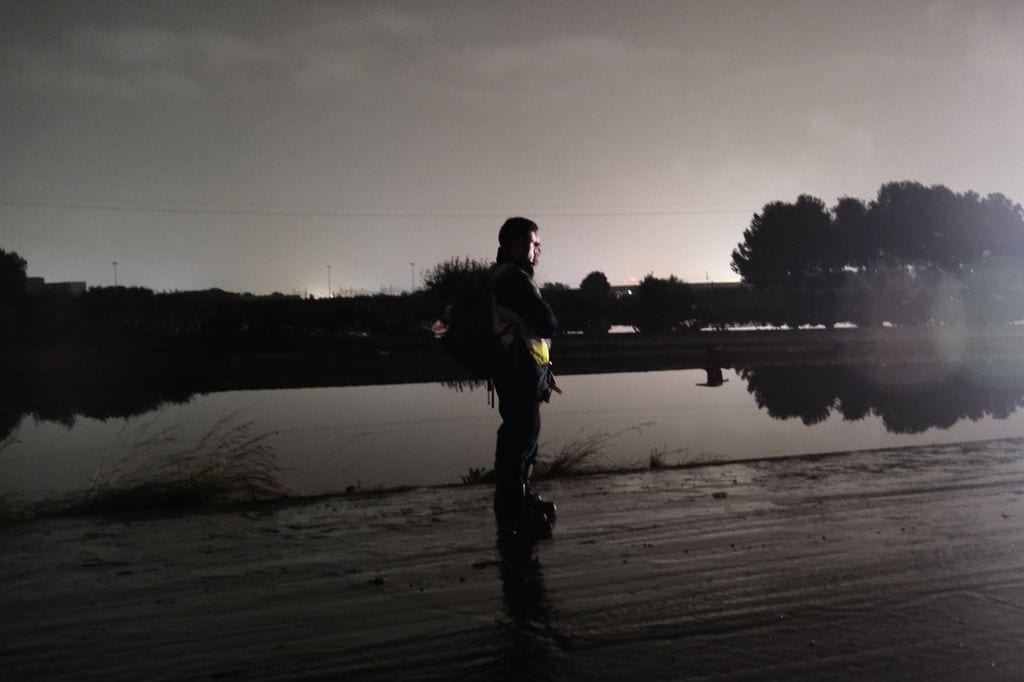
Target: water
(330,439)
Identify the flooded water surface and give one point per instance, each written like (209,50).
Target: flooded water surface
(333,439)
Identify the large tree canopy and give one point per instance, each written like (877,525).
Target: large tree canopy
(907,224)
(785,243)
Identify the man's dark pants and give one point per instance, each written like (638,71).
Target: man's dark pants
(516,451)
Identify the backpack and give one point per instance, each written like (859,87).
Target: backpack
(469,336)
(468,328)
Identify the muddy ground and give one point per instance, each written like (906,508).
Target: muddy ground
(897,565)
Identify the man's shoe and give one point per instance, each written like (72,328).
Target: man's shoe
(528,523)
(537,504)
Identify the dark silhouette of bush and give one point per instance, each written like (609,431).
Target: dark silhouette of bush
(568,306)
(595,292)
(662,305)
(595,286)
(446,279)
(12,295)
(12,275)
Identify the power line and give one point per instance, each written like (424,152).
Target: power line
(336,212)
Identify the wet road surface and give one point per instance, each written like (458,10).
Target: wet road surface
(898,565)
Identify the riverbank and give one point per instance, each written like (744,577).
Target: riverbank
(894,564)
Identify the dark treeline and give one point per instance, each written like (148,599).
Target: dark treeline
(205,318)
(654,305)
(913,255)
(212,318)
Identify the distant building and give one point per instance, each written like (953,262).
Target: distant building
(717,287)
(65,288)
(620,290)
(34,286)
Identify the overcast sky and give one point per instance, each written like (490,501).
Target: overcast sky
(248,145)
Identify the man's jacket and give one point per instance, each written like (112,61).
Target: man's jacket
(524,323)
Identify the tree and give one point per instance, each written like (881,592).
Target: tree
(918,225)
(935,227)
(595,292)
(12,288)
(662,305)
(448,278)
(856,243)
(786,244)
(12,275)
(1000,227)
(595,286)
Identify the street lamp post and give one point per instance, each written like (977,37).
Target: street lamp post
(115,273)
(329,294)
(412,277)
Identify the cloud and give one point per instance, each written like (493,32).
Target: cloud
(339,47)
(135,62)
(341,25)
(390,48)
(324,68)
(70,79)
(565,59)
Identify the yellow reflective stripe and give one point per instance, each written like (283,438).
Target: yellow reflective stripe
(539,350)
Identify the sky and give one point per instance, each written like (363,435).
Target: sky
(276,146)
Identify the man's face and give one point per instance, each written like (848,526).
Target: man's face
(532,245)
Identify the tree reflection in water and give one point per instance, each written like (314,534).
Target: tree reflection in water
(64,402)
(908,398)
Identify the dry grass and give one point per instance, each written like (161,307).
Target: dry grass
(656,458)
(583,454)
(228,464)
(13,509)
(478,476)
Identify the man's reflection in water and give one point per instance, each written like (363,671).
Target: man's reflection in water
(525,603)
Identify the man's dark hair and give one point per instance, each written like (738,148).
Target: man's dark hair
(515,229)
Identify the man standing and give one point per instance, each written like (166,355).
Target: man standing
(524,324)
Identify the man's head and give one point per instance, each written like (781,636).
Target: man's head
(518,236)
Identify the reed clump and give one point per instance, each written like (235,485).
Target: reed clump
(13,509)
(227,464)
(584,454)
